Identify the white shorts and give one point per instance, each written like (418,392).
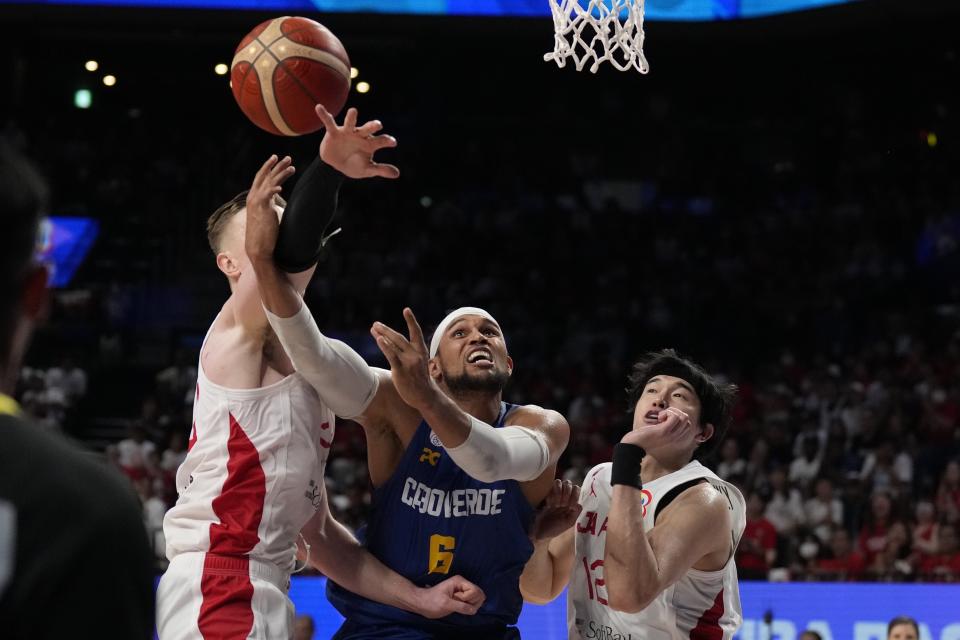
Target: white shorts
(209,596)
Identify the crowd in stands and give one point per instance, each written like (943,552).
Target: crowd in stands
(812,258)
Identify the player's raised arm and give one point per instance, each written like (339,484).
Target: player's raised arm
(335,552)
(341,377)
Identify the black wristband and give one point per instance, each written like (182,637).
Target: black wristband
(626,465)
(307,217)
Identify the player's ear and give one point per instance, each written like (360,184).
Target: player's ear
(509,365)
(706,433)
(228,265)
(433,368)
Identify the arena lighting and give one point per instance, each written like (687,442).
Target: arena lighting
(354,72)
(91,65)
(109,80)
(82,99)
(221,69)
(363,87)
(931,139)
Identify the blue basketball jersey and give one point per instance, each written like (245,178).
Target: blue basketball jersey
(430,521)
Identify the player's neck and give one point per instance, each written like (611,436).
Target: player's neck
(481,405)
(654,467)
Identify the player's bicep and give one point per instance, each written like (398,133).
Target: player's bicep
(696,525)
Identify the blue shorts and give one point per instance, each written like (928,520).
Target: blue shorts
(357,631)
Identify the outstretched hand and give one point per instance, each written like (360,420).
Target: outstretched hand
(263,223)
(559,511)
(349,149)
(453,595)
(408,360)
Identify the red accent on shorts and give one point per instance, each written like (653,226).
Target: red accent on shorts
(227,591)
(226,612)
(708,626)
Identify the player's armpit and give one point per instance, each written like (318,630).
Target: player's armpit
(694,531)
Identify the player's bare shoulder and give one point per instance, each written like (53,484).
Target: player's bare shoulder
(535,417)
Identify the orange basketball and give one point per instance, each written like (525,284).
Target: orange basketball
(283,68)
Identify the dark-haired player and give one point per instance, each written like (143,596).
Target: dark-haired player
(651,553)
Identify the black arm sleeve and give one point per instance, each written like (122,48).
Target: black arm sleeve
(307,216)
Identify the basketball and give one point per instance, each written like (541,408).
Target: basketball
(283,68)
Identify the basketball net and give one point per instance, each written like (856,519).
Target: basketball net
(603,31)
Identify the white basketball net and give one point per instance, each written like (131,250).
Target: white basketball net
(604,30)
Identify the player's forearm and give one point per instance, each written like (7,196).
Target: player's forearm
(349,564)
(448,421)
(630,567)
(339,375)
(546,573)
(536,581)
(276,293)
(307,217)
(486,453)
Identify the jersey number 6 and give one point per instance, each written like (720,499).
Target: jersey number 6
(441,553)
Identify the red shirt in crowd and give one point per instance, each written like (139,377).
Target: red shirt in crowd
(759,536)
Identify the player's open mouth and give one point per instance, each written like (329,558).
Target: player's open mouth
(652,417)
(481,358)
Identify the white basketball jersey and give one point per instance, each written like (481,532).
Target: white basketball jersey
(701,605)
(253,475)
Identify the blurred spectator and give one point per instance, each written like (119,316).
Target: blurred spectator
(948,493)
(926,539)
(731,464)
(823,512)
(842,562)
(757,550)
(944,565)
(874,533)
(805,467)
(134,452)
(903,628)
(785,507)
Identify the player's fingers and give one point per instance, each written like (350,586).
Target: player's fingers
(413,328)
(395,337)
(389,351)
(384,170)
(280,166)
(575,496)
(463,608)
(350,121)
(470,592)
(370,128)
(379,142)
(264,170)
(565,491)
(326,118)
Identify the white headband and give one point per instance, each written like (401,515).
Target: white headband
(452,317)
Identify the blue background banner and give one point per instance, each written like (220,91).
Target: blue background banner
(837,611)
(654,10)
